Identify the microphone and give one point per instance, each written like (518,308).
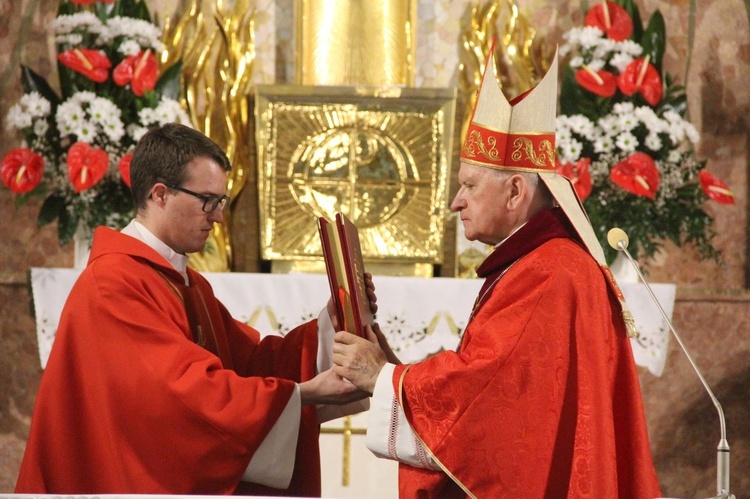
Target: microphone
(618,240)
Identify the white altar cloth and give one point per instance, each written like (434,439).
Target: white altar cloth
(419,316)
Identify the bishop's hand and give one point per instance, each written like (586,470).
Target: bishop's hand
(359,360)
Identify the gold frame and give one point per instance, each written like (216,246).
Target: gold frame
(401,218)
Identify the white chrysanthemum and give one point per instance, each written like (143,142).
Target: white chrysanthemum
(36,105)
(581,125)
(609,124)
(114,129)
(620,60)
(630,47)
(170,111)
(85,132)
(626,142)
(623,107)
(72,39)
(103,111)
(40,127)
(137,132)
(576,62)
(570,151)
(627,121)
(18,118)
(653,141)
(674,156)
(80,21)
(83,97)
(604,48)
(692,133)
(590,37)
(144,33)
(69,115)
(603,144)
(147,116)
(596,64)
(129,47)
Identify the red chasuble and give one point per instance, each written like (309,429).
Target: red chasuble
(542,398)
(141,397)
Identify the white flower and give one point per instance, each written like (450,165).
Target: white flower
(620,60)
(623,107)
(570,151)
(626,142)
(40,128)
(674,156)
(138,132)
(609,124)
(590,36)
(691,132)
(103,111)
(129,47)
(603,144)
(114,129)
(17,118)
(85,132)
(576,62)
(653,141)
(81,21)
(69,115)
(145,34)
(627,121)
(630,47)
(581,125)
(83,97)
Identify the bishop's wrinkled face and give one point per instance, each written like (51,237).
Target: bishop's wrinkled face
(185,225)
(481,203)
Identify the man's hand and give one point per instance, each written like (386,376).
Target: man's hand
(329,388)
(357,359)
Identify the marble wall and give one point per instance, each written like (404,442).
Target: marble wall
(713,305)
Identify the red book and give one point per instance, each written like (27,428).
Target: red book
(346,273)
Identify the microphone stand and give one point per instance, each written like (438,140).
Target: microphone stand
(618,240)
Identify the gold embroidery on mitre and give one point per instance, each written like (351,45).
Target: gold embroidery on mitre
(475,145)
(523,148)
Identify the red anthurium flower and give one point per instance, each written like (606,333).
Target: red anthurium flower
(602,83)
(637,174)
(21,170)
(86,165)
(124,167)
(139,70)
(578,174)
(715,189)
(90,63)
(612,19)
(640,76)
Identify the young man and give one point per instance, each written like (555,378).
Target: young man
(151,386)
(541,397)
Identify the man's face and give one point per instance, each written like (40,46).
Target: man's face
(185,226)
(481,204)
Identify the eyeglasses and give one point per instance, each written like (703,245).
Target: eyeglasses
(210,203)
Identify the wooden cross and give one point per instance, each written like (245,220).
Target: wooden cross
(347,432)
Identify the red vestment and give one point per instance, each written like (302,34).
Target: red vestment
(542,398)
(130,402)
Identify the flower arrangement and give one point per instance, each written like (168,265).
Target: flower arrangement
(77,147)
(623,139)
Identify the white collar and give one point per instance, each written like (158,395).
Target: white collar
(177,260)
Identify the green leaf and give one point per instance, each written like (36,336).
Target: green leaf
(52,208)
(33,82)
(654,39)
(169,83)
(67,225)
